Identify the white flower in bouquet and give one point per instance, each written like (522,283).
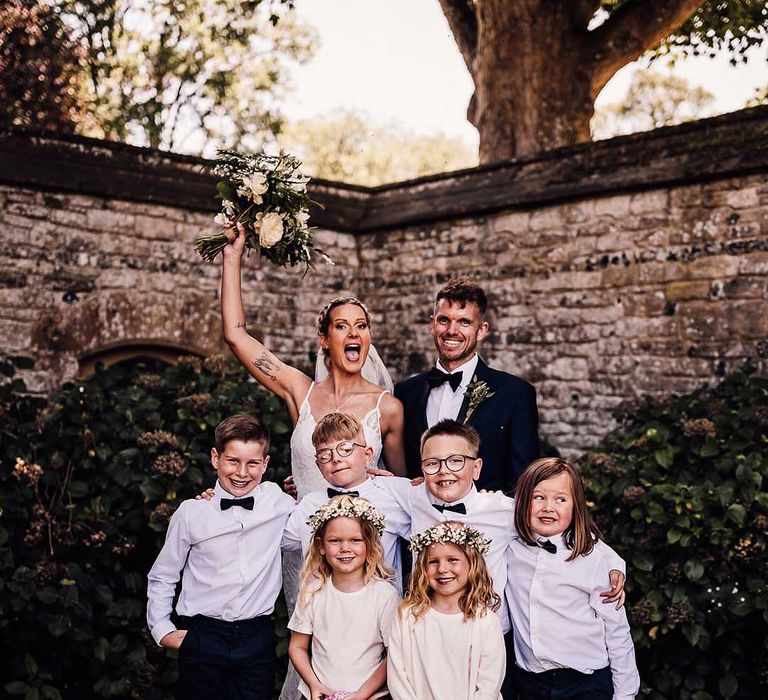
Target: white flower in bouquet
(257,184)
(270,229)
(267,197)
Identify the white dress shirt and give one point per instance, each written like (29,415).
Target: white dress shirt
(491,513)
(228,560)
(443,402)
(298,535)
(559,618)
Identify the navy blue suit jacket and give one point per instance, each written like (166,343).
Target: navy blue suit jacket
(508,424)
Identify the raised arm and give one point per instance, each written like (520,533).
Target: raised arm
(392,435)
(288,383)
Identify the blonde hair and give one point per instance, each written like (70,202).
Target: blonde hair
(581,534)
(478,596)
(336,426)
(316,570)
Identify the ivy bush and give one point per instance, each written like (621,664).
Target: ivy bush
(88,481)
(679,491)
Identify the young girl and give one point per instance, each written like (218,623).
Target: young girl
(445,643)
(346,604)
(568,644)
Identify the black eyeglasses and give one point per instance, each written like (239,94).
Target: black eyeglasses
(343,449)
(454,463)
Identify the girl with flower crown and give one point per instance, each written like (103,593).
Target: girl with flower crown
(345,607)
(444,642)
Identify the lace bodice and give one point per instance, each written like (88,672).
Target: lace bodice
(306,475)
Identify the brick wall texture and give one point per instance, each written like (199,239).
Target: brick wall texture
(595,300)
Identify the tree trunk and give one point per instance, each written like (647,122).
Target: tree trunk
(533,78)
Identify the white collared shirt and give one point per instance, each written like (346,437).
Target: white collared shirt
(297,534)
(229,560)
(491,513)
(443,402)
(559,618)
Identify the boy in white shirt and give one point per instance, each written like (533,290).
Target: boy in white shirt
(343,458)
(226,551)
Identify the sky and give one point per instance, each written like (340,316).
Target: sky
(396,61)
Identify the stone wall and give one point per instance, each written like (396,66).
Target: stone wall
(638,265)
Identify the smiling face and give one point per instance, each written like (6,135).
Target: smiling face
(448,486)
(343,546)
(348,338)
(447,572)
(456,330)
(240,465)
(345,472)
(552,505)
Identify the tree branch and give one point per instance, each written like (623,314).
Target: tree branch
(462,19)
(631,31)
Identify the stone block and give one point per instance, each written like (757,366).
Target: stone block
(155,227)
(616,207)
(547,218)
(743,198)
(649,202)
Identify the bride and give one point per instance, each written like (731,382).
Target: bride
(347,358)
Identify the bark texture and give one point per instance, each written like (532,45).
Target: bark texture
(537,68)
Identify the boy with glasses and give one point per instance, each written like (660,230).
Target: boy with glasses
(343,458)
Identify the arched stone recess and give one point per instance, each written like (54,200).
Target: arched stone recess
(115,325)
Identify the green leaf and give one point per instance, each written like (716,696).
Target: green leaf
(50,693)
(16,688)
(58,627)
(728,685)
(47,595)
(664,457)
(737,513)
(693,569)
(30,664)
(642,561)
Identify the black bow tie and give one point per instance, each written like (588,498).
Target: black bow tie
(227,503)
(334,492)
(436,377)
(550,547)
(458,508)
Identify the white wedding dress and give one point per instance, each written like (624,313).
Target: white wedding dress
(307,478)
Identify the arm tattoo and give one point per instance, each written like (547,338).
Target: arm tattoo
(266,365)
(240,324)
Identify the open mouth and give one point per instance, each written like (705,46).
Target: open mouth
(345,560)
(444,581)
(352,352)
(546,520)
(452,343)
(447,483)
(239,484)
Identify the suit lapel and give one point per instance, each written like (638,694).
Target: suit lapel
(481,372)
(421,403)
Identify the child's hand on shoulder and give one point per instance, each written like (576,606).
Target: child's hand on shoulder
(616,594)
(173,640)
(373,472)
(206,495)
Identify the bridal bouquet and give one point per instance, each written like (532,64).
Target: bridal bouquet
(267,195)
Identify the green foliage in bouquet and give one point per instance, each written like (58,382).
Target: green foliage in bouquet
(88,481)
(680,492)
(267,196)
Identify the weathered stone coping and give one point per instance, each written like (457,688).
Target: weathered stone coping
(726,146)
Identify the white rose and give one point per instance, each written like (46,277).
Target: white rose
(257,183)
(301,218)
(270,230)
(230,210)
(221,219)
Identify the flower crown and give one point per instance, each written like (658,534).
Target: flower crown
(346,507)
(451,533)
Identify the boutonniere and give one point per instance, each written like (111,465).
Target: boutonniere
(477,392)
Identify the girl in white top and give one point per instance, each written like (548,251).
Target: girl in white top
(446,643)
(567,642)
(346,604)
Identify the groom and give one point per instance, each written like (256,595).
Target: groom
(500,406)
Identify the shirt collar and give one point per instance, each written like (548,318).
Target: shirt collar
(467,370)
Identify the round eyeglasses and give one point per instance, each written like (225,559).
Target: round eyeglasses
(453,463)
(343,449)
